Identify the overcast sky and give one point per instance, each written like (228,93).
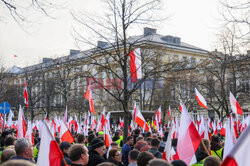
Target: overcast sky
(195,21)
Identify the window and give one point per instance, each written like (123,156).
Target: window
(173,93)
(245,85)
(184,91)
(193,61)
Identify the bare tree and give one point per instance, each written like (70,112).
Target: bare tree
(110,59)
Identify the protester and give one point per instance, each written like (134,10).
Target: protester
(141,145)
(80,139)
(18,162)
(114,145)
(115,157)
(178,163)
(136,134)
(78,154)
(132,157)
(202,152)
(155,144)
(106,164)
(6,154)
(212,161)
(158,162)
(126,149)
(144,158)
(97,152)
(64,146)
(118,138)
(216,148)
(24,150)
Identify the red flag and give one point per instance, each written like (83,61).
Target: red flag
(49,151)
(21,124)
(25,95)
(135,64)
(65,134)
(201,100)
(235,105)
(89,96)
(169,112)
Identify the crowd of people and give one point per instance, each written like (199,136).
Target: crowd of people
(139,149)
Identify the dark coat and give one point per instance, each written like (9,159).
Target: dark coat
(95,158)
(114,162)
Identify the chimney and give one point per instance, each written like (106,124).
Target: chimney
(149,31)
(73,52)
(101,44)
(45,60)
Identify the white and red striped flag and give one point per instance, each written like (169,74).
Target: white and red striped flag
(140,120)
(29,134)
(240,153)
(65,117)
(169,112)
(235,105)
(25,95)
(158,114)
(21,124)
(49,151)
(201,100)
(188,138)
(135,64)
(107,136)
(89,96)
(65,134)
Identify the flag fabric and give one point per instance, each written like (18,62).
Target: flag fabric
(166,155)
(10,116)
(89,96)
(21,124)
(107,136)
(86,95)
(103,119)
(139,119)
(228,139)
(65,134)
(240,154)
(29,134)
(135,64)
(49,151)
(235,105)
(188,138)
(201,100)
(158,114)
(25,95)
(169,112)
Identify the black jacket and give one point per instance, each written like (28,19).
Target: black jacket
(95,158)
(66,157)
(114,162)
(200,155)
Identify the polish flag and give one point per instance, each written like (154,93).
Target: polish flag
(140,120)
(239,155)
(235,105)
(166,155)
(65,117)
(65,134)
(158,114)
(21,124)
(25,95)
(188,138)
(107,137)
(134,112)
(169,112)
(29,133)
(49,152)
(103,119)
(202,128)
(89,96)
(201,100)
(10,116)
(135,64)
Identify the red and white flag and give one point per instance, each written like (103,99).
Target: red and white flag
(140,120)
(107,136)
(10,122)
(169,112)
(201,100)
(29,133)
(103,119)
(135,64)
(65,134)
(158,114)
(240,153)
(25,95)
(49,151)
(235,105)
(21,124)
(188,138)
(89,96)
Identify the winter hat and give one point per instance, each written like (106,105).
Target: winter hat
(96,143)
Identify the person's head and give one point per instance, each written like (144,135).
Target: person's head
(24,148)
(212,161)
(6,154)
(143,158)
(78,154)
(139,139)
(64,146)
(130,140)
(215,139)
(98,146)
(137,132)
(117,134)
(91,137)
(178,163)
(115,155)
(155,143)
(18,163)
(158,162)
(9,140)
(132,156)
(148,140)
(80,139)
(114,145)
(106,164)
(148,134)
(204,142)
